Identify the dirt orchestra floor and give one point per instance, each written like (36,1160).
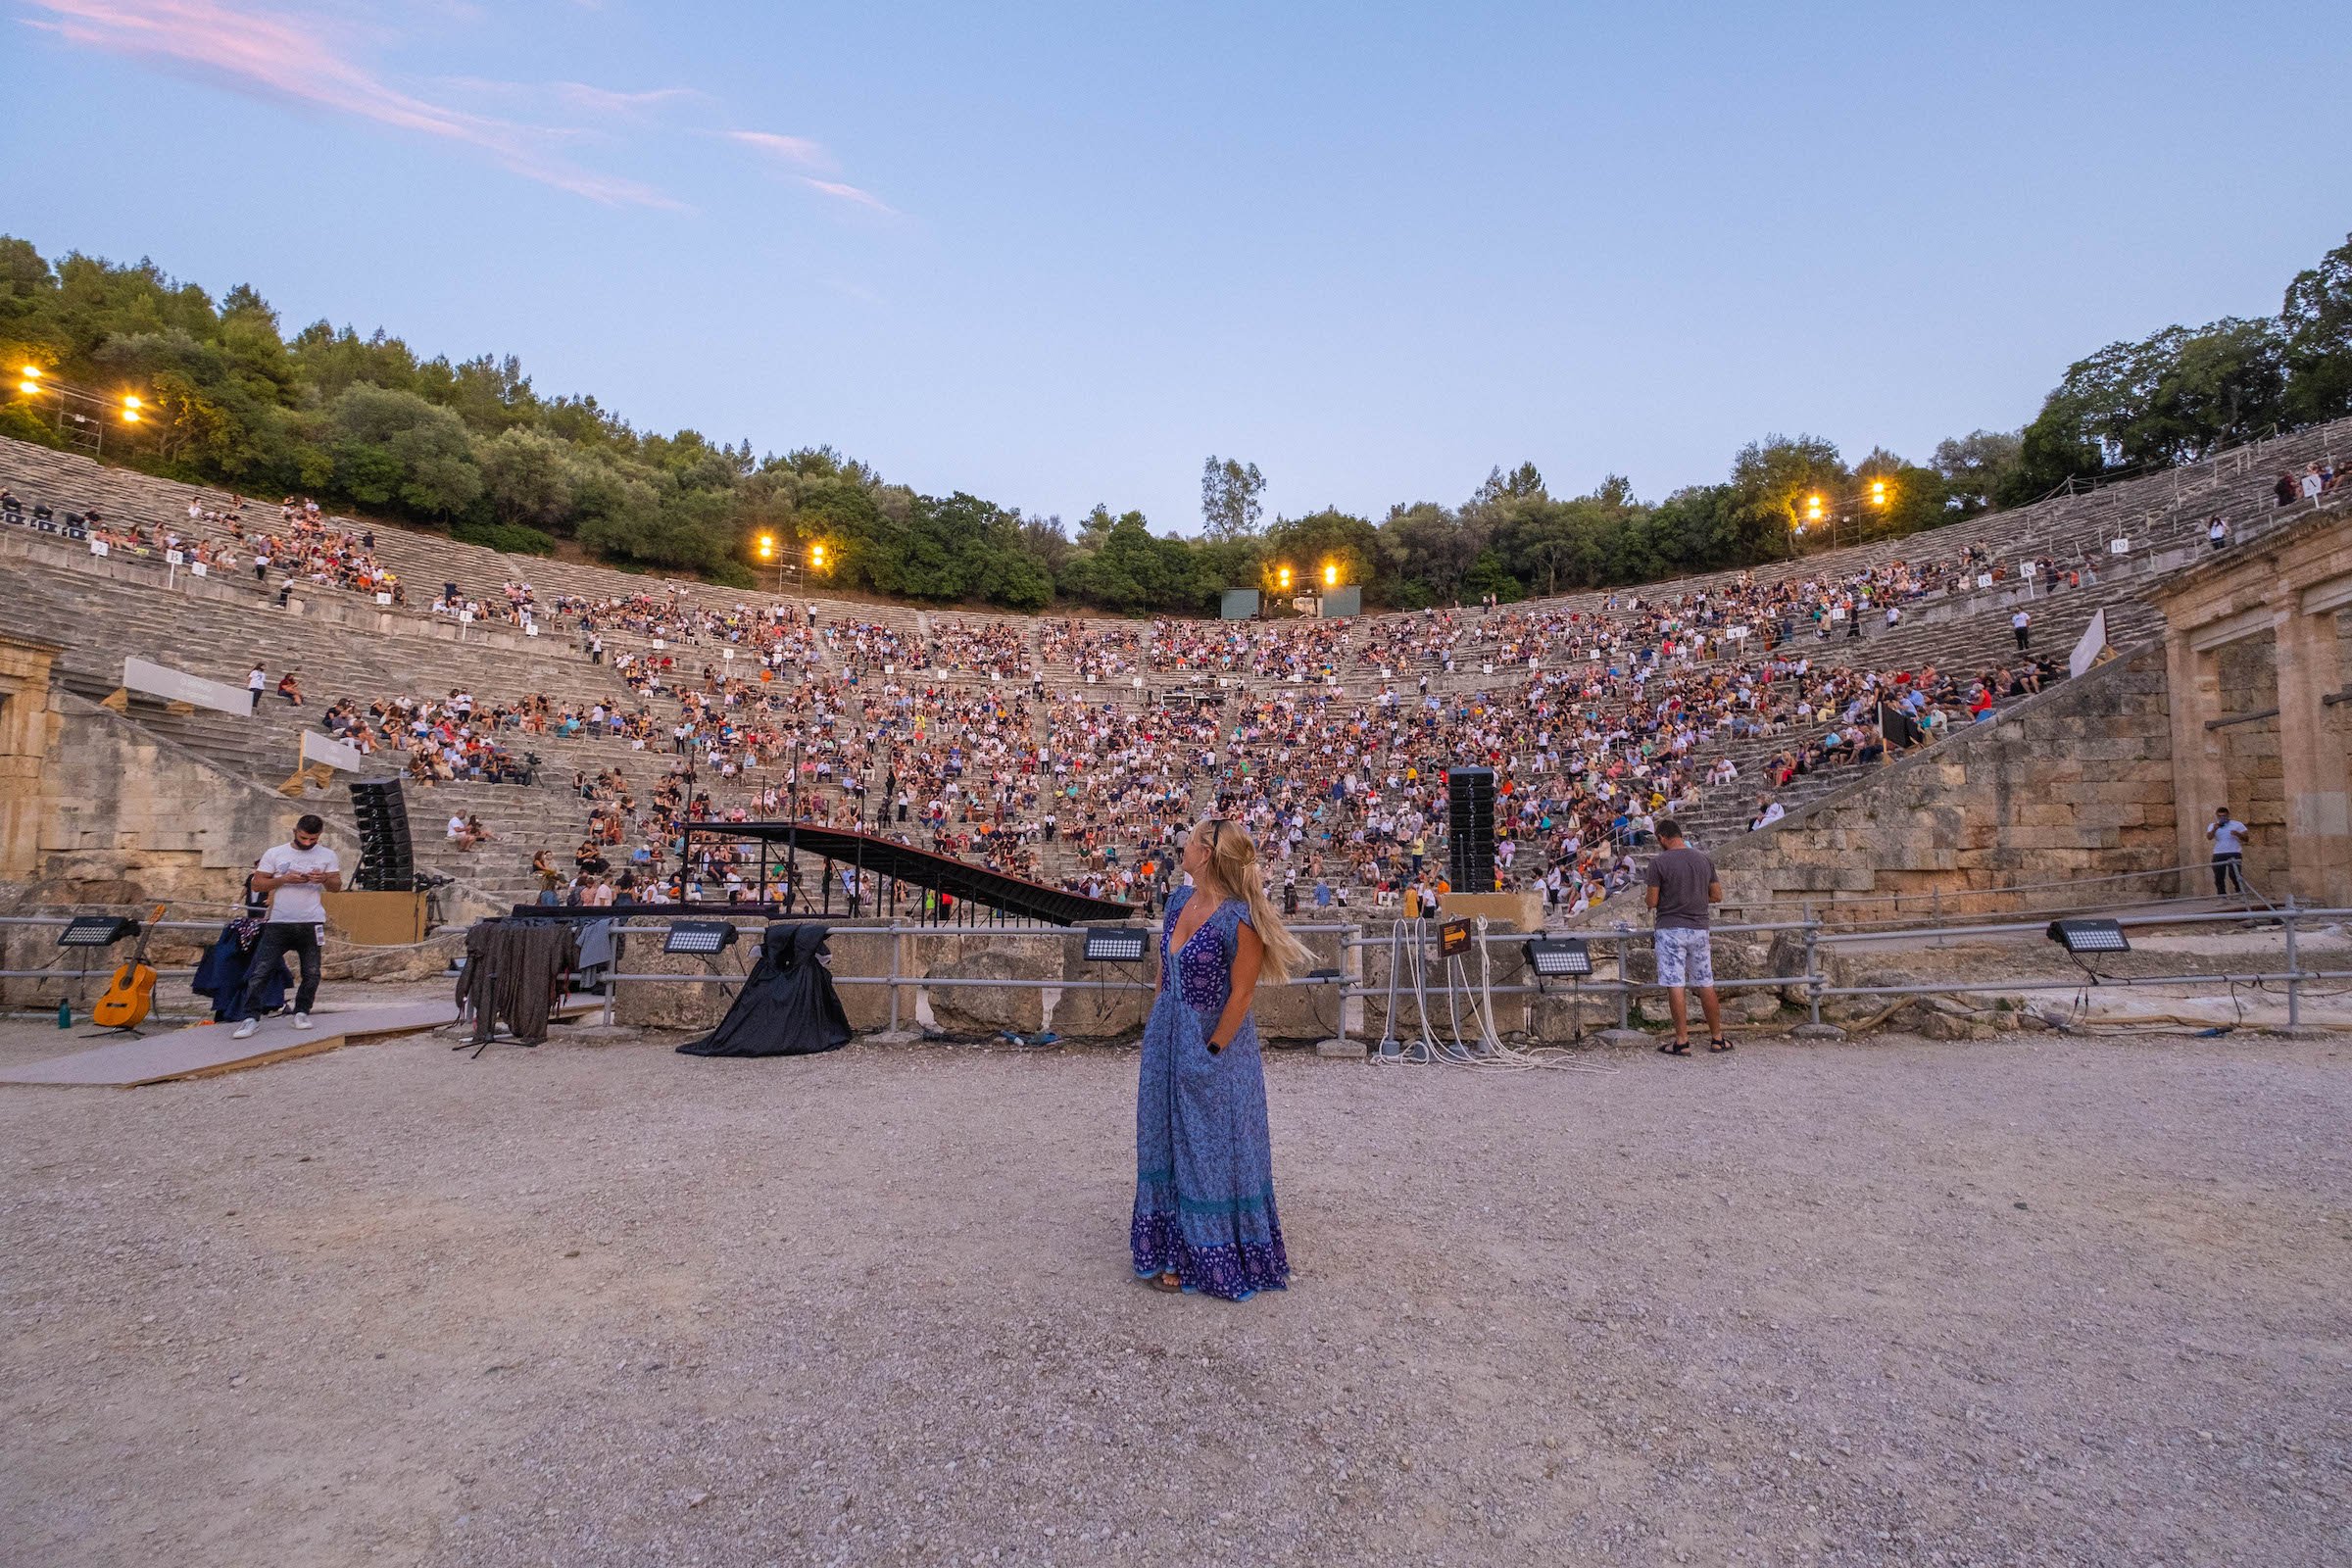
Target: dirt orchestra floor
(2040,1301)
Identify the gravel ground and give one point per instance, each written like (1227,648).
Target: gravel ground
(2030,1301)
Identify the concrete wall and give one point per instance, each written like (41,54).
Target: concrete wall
(2076,785)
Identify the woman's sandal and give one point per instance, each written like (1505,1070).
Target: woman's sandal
(1167,1282)
(1675,1048)
(1718,1043)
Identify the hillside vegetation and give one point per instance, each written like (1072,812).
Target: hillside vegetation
(364,423)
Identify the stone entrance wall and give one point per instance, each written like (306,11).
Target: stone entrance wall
(2070,790)
(2255,636)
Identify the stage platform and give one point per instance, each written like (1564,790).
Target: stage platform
(198,1050)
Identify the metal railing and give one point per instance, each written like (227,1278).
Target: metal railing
(1414,943)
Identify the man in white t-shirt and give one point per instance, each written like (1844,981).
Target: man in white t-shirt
(292,875)
(255,680)
(2229,836)
(2020,623)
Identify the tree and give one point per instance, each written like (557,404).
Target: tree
(1426,553)
(1773,483)
(524,478)
(1974,466)
(2315,327)
(1329,537)
(391,446)
(1228,498)
(2174,396)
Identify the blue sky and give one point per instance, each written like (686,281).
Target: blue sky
(1056,256)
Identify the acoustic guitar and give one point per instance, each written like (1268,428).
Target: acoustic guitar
(132,992)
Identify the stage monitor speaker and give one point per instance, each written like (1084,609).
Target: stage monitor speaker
(1470,829)
(387,858)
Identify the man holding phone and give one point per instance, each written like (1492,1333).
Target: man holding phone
(292,875)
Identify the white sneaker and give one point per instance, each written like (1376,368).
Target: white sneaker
(302,1020)
(245,1030)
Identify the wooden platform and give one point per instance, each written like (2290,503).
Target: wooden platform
(202,1050)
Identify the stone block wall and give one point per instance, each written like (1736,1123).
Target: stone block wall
(2252,768)
(2075,786)
(1025,984)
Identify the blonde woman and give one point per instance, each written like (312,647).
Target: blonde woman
(1204,1217)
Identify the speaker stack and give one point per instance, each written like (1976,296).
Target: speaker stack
(1470,829)
(387,862)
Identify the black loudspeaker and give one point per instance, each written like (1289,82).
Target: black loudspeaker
(1470,829)
(387,859)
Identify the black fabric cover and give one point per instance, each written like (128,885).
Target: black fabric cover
(787,1006)
(221,972)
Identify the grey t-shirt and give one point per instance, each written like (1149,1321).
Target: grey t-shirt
(1681,877)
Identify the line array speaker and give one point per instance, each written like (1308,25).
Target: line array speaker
(387,859)
(1470,829)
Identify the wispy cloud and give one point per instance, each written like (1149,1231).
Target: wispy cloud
(796,150)
(848,193)
(606,101)
(280,59)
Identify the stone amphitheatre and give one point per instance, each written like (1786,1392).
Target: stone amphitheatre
(1972,1253)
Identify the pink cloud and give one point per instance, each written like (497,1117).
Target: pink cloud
(850,193)
(278,59)
(791,149)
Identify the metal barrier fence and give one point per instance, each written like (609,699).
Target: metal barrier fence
(1410,942)
(1410,946)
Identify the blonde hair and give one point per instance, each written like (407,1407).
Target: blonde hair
(1233,861)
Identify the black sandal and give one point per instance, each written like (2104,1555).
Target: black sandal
(1718,1043)
(1674,1047)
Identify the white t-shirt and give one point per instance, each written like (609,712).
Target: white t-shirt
(299,904)
(2228,837)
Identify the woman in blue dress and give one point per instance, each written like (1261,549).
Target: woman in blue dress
(1204,1216)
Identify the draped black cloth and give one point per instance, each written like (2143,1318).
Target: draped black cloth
(787,1006)
(221,972)
(514,973)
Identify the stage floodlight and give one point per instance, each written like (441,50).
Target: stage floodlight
(96,931)
(1554,957)
(2079,937)
(1121,945)
(700,937)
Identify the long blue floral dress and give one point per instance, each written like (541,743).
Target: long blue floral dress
(1204,1162)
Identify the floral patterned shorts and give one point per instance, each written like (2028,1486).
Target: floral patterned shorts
(1684,958)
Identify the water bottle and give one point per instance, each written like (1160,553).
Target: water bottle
(65,1015)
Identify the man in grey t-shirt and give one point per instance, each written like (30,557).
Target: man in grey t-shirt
(1681,884)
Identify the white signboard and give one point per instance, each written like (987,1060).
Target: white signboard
(175,558)
(97,546)
(2086,652)
(383,599)
(178,686)
(529,630)
(1984,579)
(199,571)
(726,653)
(2032,569)
(658,643)
(2118,547)
(318,748)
